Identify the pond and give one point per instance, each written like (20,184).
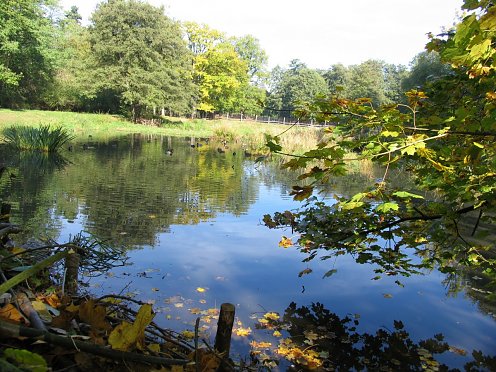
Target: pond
(190,215)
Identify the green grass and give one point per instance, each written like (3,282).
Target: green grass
(43,138)
(103,125)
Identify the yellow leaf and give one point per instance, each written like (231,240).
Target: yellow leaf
(271,316)
(242,332)
(16,250)
(42,311)
(285,242)
(127,336)
(154,347)
(195,310)
(200,289)
(94,315)
(277,334)
(188,334)
(10,313)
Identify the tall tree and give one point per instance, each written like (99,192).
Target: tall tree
(425,67)
(250,51)
(25,60)
(296,85)
(140,57)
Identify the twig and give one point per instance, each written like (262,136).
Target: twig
(12,330)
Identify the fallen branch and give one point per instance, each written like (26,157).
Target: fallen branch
(12,282)
(12,330)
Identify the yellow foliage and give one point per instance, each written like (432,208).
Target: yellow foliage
(127,336)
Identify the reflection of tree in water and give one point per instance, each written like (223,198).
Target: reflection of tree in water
(25,184)
(129,189)
(320,339)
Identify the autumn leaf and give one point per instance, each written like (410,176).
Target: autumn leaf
(126,336)
(94,315)
(305,272)
(188,334)
(200,289)
(10,313)
(271,316)
(285,242)
(242,332)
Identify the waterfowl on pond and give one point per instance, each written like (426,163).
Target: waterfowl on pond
(220,151)
(169,152)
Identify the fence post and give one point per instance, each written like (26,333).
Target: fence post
(227,116)
(224,330)
(268,120)
(241,117)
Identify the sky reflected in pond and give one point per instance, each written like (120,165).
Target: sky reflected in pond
(194,220)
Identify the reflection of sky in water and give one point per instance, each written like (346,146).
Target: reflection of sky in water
(238,260)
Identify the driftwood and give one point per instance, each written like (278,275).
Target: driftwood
(12,330)
(71,274)
(28,310)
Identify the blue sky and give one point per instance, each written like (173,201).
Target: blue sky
(319,32)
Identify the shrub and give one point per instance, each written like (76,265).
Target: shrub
(43,138)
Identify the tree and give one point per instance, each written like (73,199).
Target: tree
(140,57)
(223,69)
(443,139)
(250,51)
(295,86)
(425,67)
(337,78)
(25,60)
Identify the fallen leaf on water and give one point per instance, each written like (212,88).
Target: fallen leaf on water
(260,345)
(200,289)
(155,289)
(285,242)
(277,334)
(387,295)
(271,316)
(202,301)
(242,332)
(195,310)
(188,334)
(179,304)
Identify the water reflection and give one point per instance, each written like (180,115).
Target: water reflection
(192,218)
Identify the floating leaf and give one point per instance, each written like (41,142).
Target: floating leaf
(242,332)
(329,273)
(285,242)
(188,334)
(271,316)
(200,289)
(277,334)
(387,295)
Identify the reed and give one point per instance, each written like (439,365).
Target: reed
(42,138)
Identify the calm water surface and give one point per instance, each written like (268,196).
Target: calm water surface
(192,219)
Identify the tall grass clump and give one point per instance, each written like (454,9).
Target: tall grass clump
(42,138)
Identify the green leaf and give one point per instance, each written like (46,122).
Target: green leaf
(479,145)
(407,195)
(386,207)
(26,360)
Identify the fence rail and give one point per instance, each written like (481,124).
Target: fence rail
(270,120)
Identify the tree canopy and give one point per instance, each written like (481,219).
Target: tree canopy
(443,139)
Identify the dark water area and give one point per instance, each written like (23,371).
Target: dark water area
(190,218)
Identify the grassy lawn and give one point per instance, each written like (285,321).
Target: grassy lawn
(105,125)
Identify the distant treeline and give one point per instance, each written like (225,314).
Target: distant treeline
(134,60)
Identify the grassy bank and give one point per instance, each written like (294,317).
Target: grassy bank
(104,125)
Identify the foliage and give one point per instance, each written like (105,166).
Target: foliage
(25,57)
(226,70)
(44,138)
(294,86)
(140,57)
(425,67)
(443,139)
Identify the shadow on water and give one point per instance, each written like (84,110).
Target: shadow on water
(318,339)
